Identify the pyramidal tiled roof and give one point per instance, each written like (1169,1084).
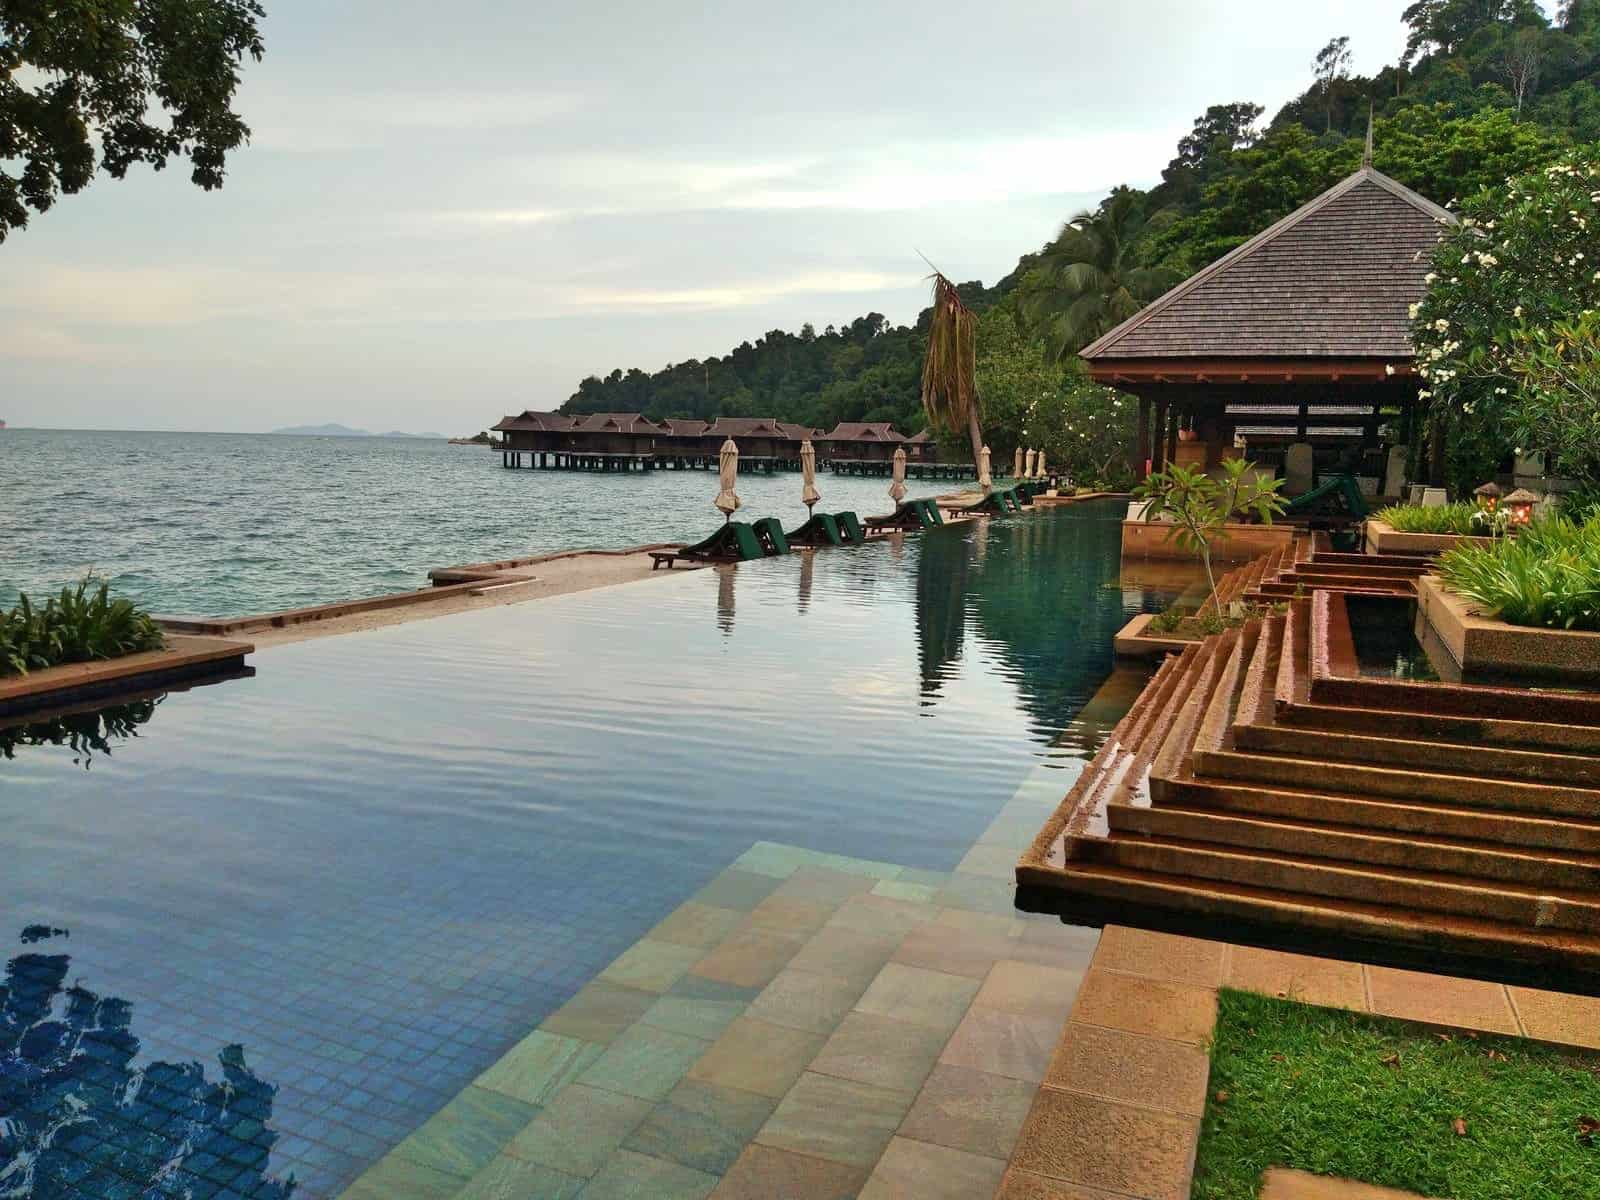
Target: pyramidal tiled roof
(1333,279)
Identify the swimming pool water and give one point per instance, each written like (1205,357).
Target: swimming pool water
(286,918)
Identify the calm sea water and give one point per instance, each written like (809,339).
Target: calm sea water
(205,524)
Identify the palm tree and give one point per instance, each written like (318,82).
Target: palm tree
(1087,281)
(949,369)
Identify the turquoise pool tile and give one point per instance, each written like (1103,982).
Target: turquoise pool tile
(651,966)
(646,1062)
(702,1126)
(512,1179)
(396,1178)
(538,1066)
(579,1129)
(736,889)
(465,1135)
(693,1017)
(632,1176)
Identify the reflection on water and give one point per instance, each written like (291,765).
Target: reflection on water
(83,733)
(78,1117)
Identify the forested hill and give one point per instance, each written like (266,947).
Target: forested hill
(1486,88)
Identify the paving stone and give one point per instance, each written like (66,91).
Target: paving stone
(1025,1185)
(701,1125)
(1280,1184)
(939,947)
(736,889)
(874,914)
(468,1133)
(1322,981)
(651,966)
(395,1178)
(1099,1143)
(795,916)
(899,889)
(969,1110)
(1441,1000)
(805,1000)
(631,1176)
(645,1061)
(1163,956)
(1148,1006)
(824,883)
(1076,943)
(698,987)
(538,1066)
(696,924)
(1131,1068)
(990,861)
(990,1039)
(695,1018)
(763,1173)
(509,1178)
(1000,925)
(845,954)
(978,893)
(1558,1017)
(599,1012)
(921,1171)
(919,997)
(757,1056)
(1030,990)
(579,1129)
(836,1119)
(917,875)
(880,1051)
(750,957)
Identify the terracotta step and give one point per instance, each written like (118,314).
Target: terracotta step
(1350,844)
(1475,731)
(1459,895)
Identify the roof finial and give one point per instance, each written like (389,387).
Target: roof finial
(1366,159)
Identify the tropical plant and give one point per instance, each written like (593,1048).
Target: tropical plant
(1460,517)
(79,625)
(949,367)
(1547,576)
(1200,506)
(1090,278)
(1557,403)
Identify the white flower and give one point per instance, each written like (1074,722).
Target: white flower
(1388,368)
(1517,311)
(1441,325)
(1414,310)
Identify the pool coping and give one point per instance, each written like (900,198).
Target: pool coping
(183,659)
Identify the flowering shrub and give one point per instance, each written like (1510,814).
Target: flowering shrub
(1523,260)
(1557,408)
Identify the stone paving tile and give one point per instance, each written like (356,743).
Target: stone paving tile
(933,879)
(919,997)
(990,861)
(645,1061)
(651,966)
(599,1012)
(1075,943)
(975,952)
(702,1126)
(969,1110)
(795,916)
(693,1017)
(1557,1017)
(880,1051)
(1163,956)
(883,915)
(1025,1185)
(696,924)
(804,1000)
(736,889)
(395,1178)
(537,1067)
(763,1173)
(579,1129)
(1087,1140)
(899,889)
(978,893)
(989,1039)
(1136,1005)
(631,1176)
(1030,990)
(824,883)
(1322,981)
(468,1133)
(1128,1067)
(509,1178)
(1438,1000)
(921,1171)
(756,1056)
(836,1119)
(750,957)
(1279,1184)
(845,954)
(698,987)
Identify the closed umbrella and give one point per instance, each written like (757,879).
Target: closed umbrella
(1041,469)
(1016,467)
(727,499)
(897,489)
(808,473)
(1027,472)
(984,479)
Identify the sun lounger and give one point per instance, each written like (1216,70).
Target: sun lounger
(821,530)
(734,542)
(908,514)
(770,534)
(850,528)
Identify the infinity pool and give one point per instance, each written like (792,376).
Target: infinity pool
(286,918)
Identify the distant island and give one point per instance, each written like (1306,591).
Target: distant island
(346,431)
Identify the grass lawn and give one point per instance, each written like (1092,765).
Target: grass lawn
(1378,1101)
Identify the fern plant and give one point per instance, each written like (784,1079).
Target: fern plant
(1547,576)
(81,624)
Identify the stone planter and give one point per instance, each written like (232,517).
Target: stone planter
(1238,543)
(1485,646)
(1383,538)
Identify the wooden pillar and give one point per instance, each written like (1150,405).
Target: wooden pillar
(1142,451)
(1159,460)
(1173,423)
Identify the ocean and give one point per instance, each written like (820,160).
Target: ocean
(223,524)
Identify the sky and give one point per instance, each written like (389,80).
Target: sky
(451,212)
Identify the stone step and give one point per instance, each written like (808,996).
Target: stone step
(1465,730)
(1490,900)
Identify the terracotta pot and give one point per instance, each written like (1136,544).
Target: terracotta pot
(1188,435)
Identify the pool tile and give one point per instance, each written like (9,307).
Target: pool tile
(938,946)
(1003,1043)
(880,1051)
(1163,956)
(749,958)
(651,966)
(1030,990)
(970,1110)
(989,861)
(509,1178)
(1122,1149)
(698,987)
(979,894)
(736,889)
(579,1129)
(825,883)
(836,1119)
(804,1000)
(397,1178)
(794,916)
(632,1176)
(645,1061)
(919,997)
(1133,1069)
(845,954)
(920,1171)
(763,1173)
(465,1135)
(692,1017)
(770,858)
(881,915)
(696,924)
(539,1066)
(757,1056)
(599,1012)
(899,889)
(702,1126)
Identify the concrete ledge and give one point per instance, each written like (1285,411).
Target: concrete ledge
(1485,646)
(1238,543)
(1383,538)
(1133,642)
(184,658)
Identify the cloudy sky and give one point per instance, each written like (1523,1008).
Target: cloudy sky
(450,211)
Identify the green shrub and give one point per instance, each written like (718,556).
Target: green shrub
(1445,518)
(1547,576)
(83,623)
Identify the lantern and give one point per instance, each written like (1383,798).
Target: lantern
(1519,506)
(1488,495)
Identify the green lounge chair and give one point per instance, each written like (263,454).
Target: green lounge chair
(850,527)
(770,534)
(1001,500)
(734,542)
(908,514)
(930,509)
(1334,502)
(821,529)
